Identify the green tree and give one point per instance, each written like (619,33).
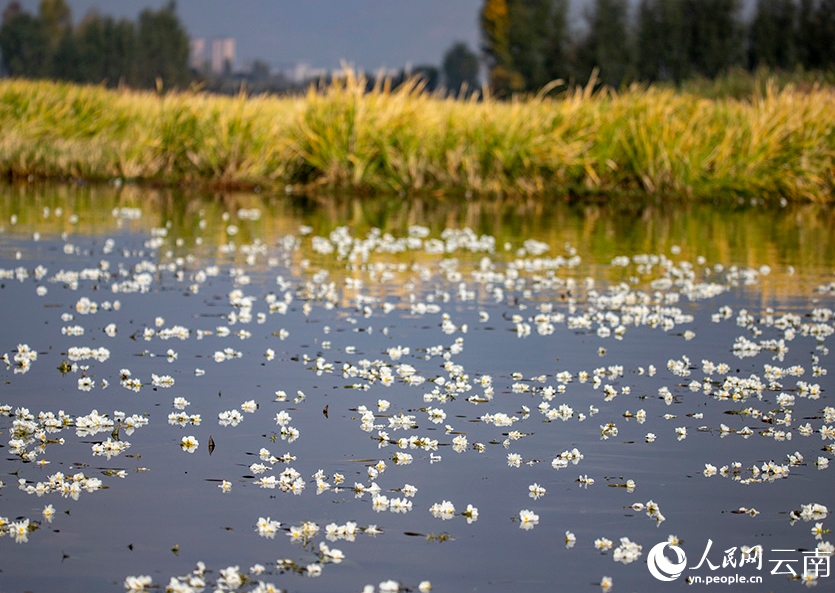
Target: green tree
(91,48)
(24,45)
(260,71)
(772,33)
(120,41)
(825,21)
(66,62)
(714,35)
(162,48)
(12,9)
(528,37)
(430,75)
(495,29)
(557,46)
(606,46)
(495,25)
(816,33)
(56,19)
(660,45)
(460,67)
(805,24)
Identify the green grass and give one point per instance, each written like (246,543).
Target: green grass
(774,143)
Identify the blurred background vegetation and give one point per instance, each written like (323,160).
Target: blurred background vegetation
(712,47)
(528,43)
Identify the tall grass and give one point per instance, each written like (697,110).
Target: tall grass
(775,143)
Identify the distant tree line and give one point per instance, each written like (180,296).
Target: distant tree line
(101,49)
(528,43)
(98,49)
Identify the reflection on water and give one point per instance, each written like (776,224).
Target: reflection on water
(796,236)
(484,395)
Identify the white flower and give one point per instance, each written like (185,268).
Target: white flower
(139,583)
(570,540)
(189,444)
(603,544)
(445,510)
(230,418)
(528,519)
(628,551)
(315,569)
(267,527)
(535,491)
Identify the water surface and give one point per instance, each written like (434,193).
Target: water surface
(499,309)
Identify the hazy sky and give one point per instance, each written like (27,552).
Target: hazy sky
(367,33)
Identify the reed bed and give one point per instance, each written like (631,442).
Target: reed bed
(776,144)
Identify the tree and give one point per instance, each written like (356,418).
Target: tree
(713,35)
(25,46)
(528,36)
(556,50)
(92,48)
(607,45)
(805,18)
(825,21)
(120,41)
(495,29)
(162,48)
(661,41)
(816,32)
(12,10)
(56,19)
(430,75)
(66,62)
(260,71)
(460,67)
(772,40)
(495,26)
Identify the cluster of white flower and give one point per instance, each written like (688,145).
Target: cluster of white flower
(810,512)
(77,353)
(110,448)
(67,486)
(627,552)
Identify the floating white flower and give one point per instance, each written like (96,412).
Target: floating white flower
(267,527)
(189,444)
(444,510)
(230,418)
(535,491)
(570,540)
(628,551)
(528,519)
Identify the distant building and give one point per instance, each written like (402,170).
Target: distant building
(197,53)
(303,72)
(223,53)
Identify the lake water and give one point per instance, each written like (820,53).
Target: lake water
(342,394)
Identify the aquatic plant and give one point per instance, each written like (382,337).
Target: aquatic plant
(777,142)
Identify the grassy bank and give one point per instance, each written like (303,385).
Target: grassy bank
(776,144)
